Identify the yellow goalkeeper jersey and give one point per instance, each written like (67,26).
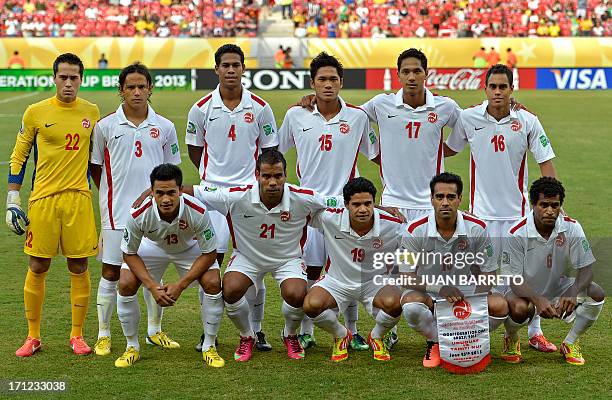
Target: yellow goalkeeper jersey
(59,134)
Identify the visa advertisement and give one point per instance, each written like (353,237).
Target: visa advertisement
(574,78)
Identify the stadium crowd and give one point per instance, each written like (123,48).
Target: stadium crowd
(451,18)
(153,18)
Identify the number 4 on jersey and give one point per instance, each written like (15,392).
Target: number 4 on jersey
(232,133)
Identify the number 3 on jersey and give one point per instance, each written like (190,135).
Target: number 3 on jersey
(138,145)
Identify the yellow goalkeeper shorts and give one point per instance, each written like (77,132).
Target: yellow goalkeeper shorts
(63,221)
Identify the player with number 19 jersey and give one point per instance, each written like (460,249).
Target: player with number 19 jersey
(232,139)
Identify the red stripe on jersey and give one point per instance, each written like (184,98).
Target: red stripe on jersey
(256,155)
(302,191)
(258,100)
(518,226)
(231,229)
(521,180)
(205,159)
(335,210)
(327,264)
(107,115)
(354,169)
(472,182)
(142,209)
(109,182)
(194,206)
(381,162)
(475,220)
(204,100)
(297,170)
(304,233)
(532,113)
(390,218)
(568,219)
(418,223)
(353,106)
(439,160)
(240,188)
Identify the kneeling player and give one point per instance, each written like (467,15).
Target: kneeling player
(537,250)
(178,231)
(444,232)
(353,237)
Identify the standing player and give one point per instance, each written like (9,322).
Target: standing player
(60,209)
(445,231)
(328,141)
(353,237)
(499,138)
(127,145)
(226,131)
(176,229)
(538,249)
(267,222)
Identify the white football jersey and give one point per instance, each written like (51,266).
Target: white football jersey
(128,154)
(542,262)
(190,228)
(327,151)
(266,237)
(498,159)
(469,245)
(410,145)
(232,139)
(350,257)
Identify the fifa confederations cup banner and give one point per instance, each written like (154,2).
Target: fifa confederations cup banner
(103,79)
(463,334)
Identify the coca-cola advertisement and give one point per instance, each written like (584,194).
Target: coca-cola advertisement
(447,79)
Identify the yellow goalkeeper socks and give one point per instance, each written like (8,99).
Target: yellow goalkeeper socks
(80,288)
(33,298)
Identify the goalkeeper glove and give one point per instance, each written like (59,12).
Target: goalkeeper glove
(16,219)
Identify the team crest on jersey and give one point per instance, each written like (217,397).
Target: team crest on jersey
(560,240)
(516,126)
(462,244)
(432,117)
(86,123)
(285,216)
(183,224)
(344,128)
(462,309)
(377,243)
(249,117)
(154,132)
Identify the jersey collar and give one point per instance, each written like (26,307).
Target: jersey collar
(150,120)
(430,102)
(532,232)
(513,114)
(245,101)
(340,117)
(284,204)
(345,225)
(432,229)
(180,213)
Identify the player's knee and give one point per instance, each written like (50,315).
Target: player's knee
(111,272)
(127,288)
(596,292)
(417,297)
(232,291)
(39,265)
(312,306)
(519,309)
(390,305)
(295,296)
(211,282)
(77,265)
(498,306)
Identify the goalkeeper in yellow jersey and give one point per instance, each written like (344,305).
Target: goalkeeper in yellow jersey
(57,132)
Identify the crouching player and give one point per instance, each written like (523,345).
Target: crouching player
(537,250)
(353,237)
(445,245)
(176,229)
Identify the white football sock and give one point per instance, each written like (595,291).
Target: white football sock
(257,305)
(534,327)
(328,321)
(128,311)
(420,318)
(293,317)
(351,315)
(586,315)
(212,312)
(154,312)
(238,313)
(384,323)
(307,326)
(495,322)
(106,302)
(512,327)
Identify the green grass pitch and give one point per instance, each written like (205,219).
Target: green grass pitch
(578,124)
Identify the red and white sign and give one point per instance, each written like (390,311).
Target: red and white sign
(463,334)
(515,126)
(154,132)
(86,123)
(344,128)
(432,117)
(249,117)
(285,216)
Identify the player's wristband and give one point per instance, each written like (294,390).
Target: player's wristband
(433,288)
(12,198)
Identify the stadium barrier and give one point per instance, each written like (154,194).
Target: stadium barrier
(299,79)
(585,52)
